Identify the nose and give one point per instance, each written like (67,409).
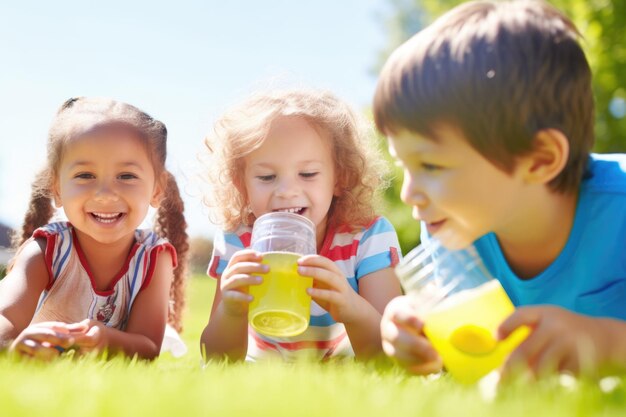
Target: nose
(412,194)
(287,188)
(105,192)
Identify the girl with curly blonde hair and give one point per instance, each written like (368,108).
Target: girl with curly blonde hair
(305,152)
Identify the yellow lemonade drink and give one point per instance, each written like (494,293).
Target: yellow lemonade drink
(462,329)
(281,305)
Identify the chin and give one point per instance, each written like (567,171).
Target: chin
(453,241)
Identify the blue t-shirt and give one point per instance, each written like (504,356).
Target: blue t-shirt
(589,276)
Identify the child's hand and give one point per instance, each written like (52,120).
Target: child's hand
(404,341)
(560,341)
(45,341)
(89,335)
(236,279)
(331,289)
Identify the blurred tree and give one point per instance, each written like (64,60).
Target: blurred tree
(601,23)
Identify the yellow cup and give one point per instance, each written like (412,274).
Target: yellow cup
(462,329)
(281,306)
(462,306)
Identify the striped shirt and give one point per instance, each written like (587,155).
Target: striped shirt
(357,253)
(71,296)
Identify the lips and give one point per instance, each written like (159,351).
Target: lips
(433,227)
(106,218)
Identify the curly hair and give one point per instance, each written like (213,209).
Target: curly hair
(78,116)
(359,168)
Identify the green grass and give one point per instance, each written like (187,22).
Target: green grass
(182,387)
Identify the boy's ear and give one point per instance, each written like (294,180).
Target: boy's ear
(548,157)
(158,193)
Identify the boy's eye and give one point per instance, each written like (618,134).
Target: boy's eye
(308,174)
(430,167)
(266,178)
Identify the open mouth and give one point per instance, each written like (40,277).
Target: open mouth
(295,210)
(106,217)
(434,227)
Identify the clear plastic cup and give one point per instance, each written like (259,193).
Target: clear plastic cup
(281,306)
(462,306)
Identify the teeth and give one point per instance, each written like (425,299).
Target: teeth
(106,217)
(291,210)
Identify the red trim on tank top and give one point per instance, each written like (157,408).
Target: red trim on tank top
(48,254)
(154,252)
(85,264)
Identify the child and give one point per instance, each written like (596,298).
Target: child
(95,282)
(490,112)
(301,151)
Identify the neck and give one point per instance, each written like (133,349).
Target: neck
(105,260)
(539,232)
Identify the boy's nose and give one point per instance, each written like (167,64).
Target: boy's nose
(411,194)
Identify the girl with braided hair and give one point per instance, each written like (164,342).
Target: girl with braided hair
(96,282)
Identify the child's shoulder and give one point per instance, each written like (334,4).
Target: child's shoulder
(606,173)
(377,224)
(233,240)
(378,230)
(148,244)
(149,238)
(54,228)
(51,235)
(241,234)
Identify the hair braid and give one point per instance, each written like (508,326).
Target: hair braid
(40,209)
(171,225)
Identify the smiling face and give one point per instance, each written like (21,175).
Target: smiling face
(292,171)
(105,185)
(453,189)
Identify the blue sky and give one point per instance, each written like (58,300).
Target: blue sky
(182,62)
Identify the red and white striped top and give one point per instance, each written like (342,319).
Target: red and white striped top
(356,253)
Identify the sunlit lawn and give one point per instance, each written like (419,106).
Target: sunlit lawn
(182,387)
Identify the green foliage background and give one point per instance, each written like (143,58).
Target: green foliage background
(602,24)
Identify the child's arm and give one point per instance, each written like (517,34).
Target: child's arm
(19,294)
(226,334)
(146,324)
(565,341)
(404,340)
(359,312)
(20,291)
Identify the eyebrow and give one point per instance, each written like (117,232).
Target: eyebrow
(126,164)
(271,165)
(407,145)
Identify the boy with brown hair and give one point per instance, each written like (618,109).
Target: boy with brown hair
(490,112)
